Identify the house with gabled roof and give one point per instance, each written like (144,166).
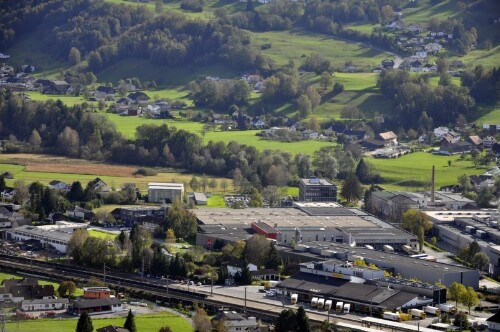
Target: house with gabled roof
(388,137)
(58,185)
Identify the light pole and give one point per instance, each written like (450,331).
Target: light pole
(245,300)
(167,287)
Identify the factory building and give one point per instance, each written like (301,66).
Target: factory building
(317,190)
(164,192)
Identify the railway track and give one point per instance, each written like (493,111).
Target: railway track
(157,288)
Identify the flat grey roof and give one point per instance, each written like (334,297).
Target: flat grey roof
(283,217)
(316,182)
(391,258)
(42,234)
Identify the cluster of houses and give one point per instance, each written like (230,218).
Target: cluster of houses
(453,142)
(30,296)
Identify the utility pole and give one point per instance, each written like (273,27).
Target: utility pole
(245,300)
(167,285)
(104,274)
(142,271)
(211,285)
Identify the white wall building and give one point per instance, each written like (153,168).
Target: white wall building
(45,304)
(161,192)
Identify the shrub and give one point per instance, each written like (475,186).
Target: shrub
(192,5)
(146,172)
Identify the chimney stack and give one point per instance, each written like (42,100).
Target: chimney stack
(433,184)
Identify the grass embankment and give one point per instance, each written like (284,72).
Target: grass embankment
(102,234)
(413,171)
(45,168)
(144,323)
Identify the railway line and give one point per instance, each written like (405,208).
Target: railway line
(156,288)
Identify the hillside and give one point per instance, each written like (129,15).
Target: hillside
(163,46)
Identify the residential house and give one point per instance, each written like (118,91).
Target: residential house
(417,66)
(339,128)
(100,186)
(124,101)
(372,144)
(492,173)
(454,148)
(96,292)
(235,322)
(58,185)
(259,86)
(377,70)
(44,304)
(352,135)
(421,54)
(128,110)
(80,213)
(389,138)
(104,93)
(235,267)
(488,142)
(494,322)
(18,290)
(440,131)
(310,134)
(57,88)
(139,97)
(433,48)
(450,137)
(476,141)
(259,122)
(220,119)
(415,28)
(388,63)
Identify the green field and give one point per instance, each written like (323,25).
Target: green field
(413,171)
(490,115)
(66,99)
(295,44)
(144,323)
(102,234)
(216,201)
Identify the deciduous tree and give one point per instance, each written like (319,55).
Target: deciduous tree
(417,223)
(66,288)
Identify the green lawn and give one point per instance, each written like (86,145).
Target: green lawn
(102,234)
(68,100)
(295,44)
(413,171)
(216,201)
(490,115)
(425,11)
(144,323)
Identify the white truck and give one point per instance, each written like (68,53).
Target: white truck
(314,302)
(328,305)
(432,310)
(294,298)
(450,308)
(347,308)
(417,313)
(407,249)
(321,303)
(394,316)
(339,307)
(387,248)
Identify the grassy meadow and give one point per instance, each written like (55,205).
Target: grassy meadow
(102,234)
(413,171)
(45,168)
(144,323)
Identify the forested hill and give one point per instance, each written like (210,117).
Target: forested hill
(105,32)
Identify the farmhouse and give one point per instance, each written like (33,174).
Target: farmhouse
(389,138)
(18,290)
(163,192)
(58,185)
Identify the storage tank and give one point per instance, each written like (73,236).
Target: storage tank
(294,298)
(321,303)
(328,305)
(407,249)
(339,307)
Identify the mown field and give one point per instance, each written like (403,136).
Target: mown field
(413,171)
(68,170)
(102,234)
(144,323)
